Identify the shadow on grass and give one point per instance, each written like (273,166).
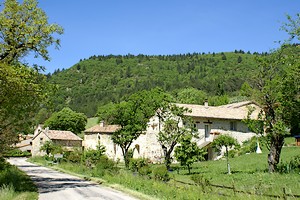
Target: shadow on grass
(47,180)
(10,175)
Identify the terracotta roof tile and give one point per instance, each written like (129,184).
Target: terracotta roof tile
(102,129)
(236,111)
(61,135)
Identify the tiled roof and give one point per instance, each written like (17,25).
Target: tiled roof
(236,111)
(61,135)
(102,129)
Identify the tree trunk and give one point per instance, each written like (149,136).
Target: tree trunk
(125,156)
(189,168)
(168,160)
(167,154)
(275,150)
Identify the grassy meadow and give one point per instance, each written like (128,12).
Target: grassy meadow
(249,179)
(91,122)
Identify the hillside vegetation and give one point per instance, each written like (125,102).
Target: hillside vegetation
(99,80)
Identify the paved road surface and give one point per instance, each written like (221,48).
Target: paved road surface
(55,185)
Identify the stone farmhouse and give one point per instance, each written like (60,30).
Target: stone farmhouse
(24,143)
(66,139)
(210,121)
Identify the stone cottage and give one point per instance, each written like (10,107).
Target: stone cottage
(67,139)
(145,146)
(25,143)
(210,121)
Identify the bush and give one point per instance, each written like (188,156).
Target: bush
(73,156)
(250,146)
(231,153)
(3,164)
(145,171)
(161,173)
(93,155)
(293,166)
(105,165)
(16,153)
(136,163)
(201,181)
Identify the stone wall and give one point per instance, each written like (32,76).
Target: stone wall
(37,142)
(147,146)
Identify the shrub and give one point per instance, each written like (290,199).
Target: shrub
(250,146)
(16,153)
(3,164)
(136,163)
(105,165)
(201,181)
(51,147)
(231,153)
(161,173)
(73,156)
(93,155)
(293,166)
(145,171)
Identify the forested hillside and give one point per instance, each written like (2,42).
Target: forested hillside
(102,79)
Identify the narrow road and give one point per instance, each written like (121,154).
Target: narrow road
(54,185)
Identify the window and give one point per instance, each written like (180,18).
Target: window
(197,125)
(137,147)
(233,126)
(206,128)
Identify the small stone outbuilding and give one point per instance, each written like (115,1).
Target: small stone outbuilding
(297,140)
(67,139)
(25,143)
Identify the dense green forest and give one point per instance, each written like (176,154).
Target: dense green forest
(99,80)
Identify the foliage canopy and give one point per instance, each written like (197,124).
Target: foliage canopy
(67,120)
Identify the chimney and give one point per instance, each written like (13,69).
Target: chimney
(38,129)
(102,124)
(206,103)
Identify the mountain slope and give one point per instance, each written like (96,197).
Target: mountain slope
(102,79)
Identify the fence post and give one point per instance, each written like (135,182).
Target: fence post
(284,194)
(233,188)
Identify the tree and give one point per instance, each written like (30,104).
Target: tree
(67,120)
(24,28)
(191,96)
(278,91)
(50,147)
(246,90)
(42,115)
(175,126)
(132,116)
(188,152)
(22,89)
(240,59)
(227,142)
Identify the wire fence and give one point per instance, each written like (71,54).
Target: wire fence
(284,195)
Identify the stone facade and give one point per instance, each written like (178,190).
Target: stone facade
(210,121)
(66,139)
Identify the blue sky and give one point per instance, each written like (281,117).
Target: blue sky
(153,27)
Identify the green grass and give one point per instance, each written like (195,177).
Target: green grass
(91,122)
(249,174)
(289,141)
(15,184)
